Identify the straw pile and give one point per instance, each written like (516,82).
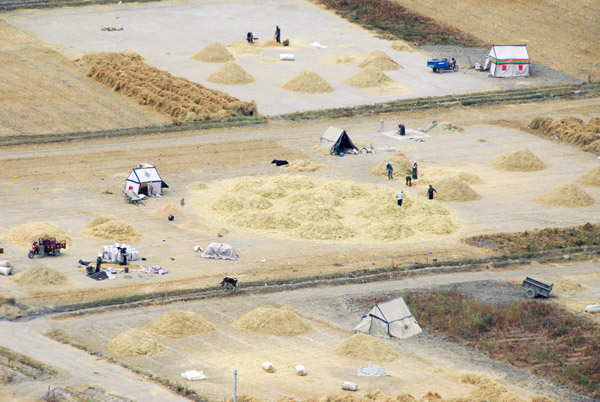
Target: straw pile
(271,43)
(244,48)
(402,46)
(346,58)
(369,77)
(366,348)
(488,391)
(126,72)
(41,276)
(27,233)
(179,323)
(567,286)
(380,60)
(446,128)
(303,165)
(164,212)
(283,321)
(108,227)
(230,74)
(455,190)
(308,82)
(474,378)
(300,207)
(213,53)
(567,196)
(436,173)
(400,163)
(590,178)
(570,130)
(135,342)
(521,160)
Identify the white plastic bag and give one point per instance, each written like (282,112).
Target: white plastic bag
(268,366)
(300,370)
(349,386)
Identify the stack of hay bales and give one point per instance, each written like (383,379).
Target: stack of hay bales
(308,82)
(520,160)
(230,74)
(567,196)
(108,227)
(179,323)
(284,321)
(27,233)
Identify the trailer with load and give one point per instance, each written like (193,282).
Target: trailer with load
(46,246)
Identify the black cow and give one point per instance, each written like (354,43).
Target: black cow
(229,281)
(279,163)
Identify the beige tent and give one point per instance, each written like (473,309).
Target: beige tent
(389,319)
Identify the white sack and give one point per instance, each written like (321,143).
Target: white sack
(6,270)
(300,369)
(349,386)
(193,375)
(268,366)
(286,56)
(592,308)
(5,263)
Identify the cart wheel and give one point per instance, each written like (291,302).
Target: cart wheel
(455,68)
(530,293)
(435,70)
(57,252)
(30,255)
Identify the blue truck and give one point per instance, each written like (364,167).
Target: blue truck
(442,65)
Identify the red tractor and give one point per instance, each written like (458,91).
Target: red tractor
(46,247)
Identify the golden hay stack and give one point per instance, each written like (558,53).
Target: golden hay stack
(284,321)
(401,46)
(400,163)
(105,227)
(452,189)
(369,77)
(520,160)
(567,196)
(437,173)
(303,165)
(567,286)
(135,342)
(590,178)
(41,276)
(27,233)
(230,74)
(380,60)
(213,53)
(366,348)
(179,323)
(308,82)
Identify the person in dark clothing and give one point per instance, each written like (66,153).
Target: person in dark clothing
(430,192)
(414,171)
(408,181)
(250,37)
(390,170)
(277,35)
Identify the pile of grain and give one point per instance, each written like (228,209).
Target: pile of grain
(369,77)
(244,48)
(564,285)
(108,227)
(521,160)
(184,100)
(230,74)
(474,378)
(367,348)
(570,130)
(27,233)
(213,53)
(179,323)
(271,43)
(590,178)
(452,189)
(379,60)
(488,391)
(284,321)
(402,46)
(400,163)
(346,58)
(303,165)
(568,196)
(40,276)
(308,82)
(135,342)
(302,207)
(165,211)
(446,128)
(438,173)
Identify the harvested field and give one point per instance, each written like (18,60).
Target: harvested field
(521,160)
(568,196)
(308,82)
(570,130)
(127,72)
(230,74)
(27,233)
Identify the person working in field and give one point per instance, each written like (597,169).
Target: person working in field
(277,35)
(430,192)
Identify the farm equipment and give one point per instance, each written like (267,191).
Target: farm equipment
(46,246)
(535,288)
(442,65)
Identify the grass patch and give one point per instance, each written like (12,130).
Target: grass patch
(391,20)
(25,365)
(539,240)
(541,337)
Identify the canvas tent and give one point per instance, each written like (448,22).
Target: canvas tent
(144,179)
(337,141)
(508,61)
(389,319)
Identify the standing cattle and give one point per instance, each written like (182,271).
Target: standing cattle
(229,281)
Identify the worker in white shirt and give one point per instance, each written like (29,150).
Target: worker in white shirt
(400,197)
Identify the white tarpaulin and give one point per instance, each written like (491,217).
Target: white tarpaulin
(389,319)
(193,375)
(220,251)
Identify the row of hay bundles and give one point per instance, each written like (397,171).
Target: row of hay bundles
(116,252)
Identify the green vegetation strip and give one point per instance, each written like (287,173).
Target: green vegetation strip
(59,336)
(540,240)
(25,365)
(541,337)
(10,5)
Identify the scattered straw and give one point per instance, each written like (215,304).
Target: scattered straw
(521,160)
(230,74)
(346,58)
(271,43)
(179,323)
(446,128)
(564,285)
(488,390)
(109,228)
(303,165)
(244,48)
(27,233)
(474,378)
(438,173)
(570,130)
(590,178)
(366,348)
(401,46)
(369,77)
(308,82)
(452,189)
(568,196)
(379,60)
(41,276)
(135,342)
(213,53)
(283,321)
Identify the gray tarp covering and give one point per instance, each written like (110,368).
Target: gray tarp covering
(220,251)
(372,371)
